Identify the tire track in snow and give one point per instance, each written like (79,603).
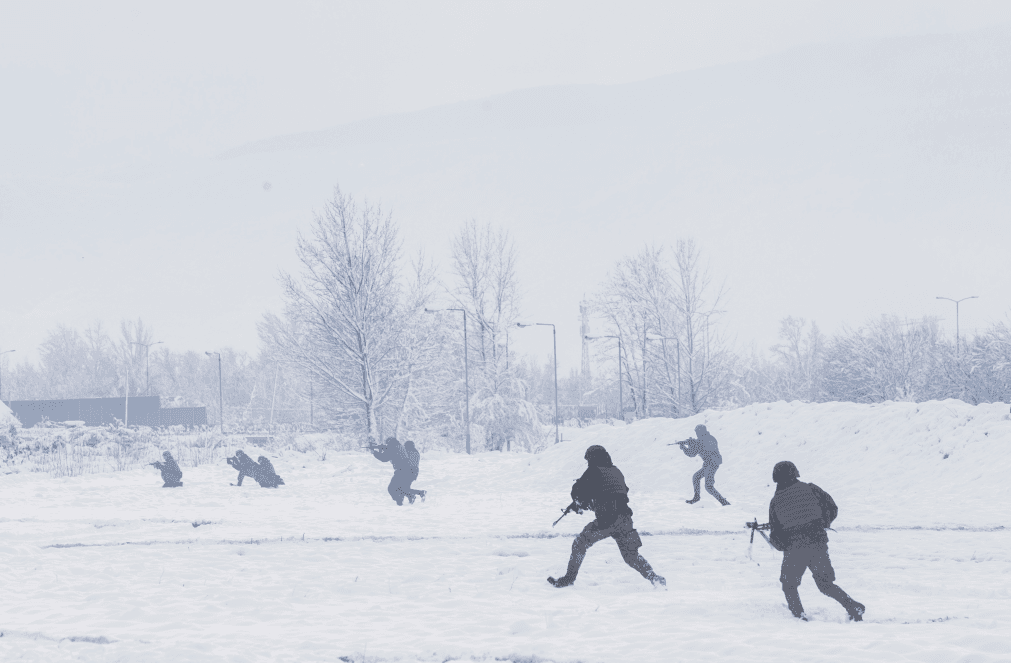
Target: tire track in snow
(538,535)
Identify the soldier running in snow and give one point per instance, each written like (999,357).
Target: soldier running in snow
(170,472)
(393,452)
(602,490)
(799,513)
(246,466)
(706,446)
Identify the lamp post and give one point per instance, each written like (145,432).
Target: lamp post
(654,337)
(621,398)
(957,302)
(221,400)
(466,368)
(554,343)
(2,374)
(147,362)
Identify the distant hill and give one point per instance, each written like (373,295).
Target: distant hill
(830,182)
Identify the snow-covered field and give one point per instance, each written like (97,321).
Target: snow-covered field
(113,567)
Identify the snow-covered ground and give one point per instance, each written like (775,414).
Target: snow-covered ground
(113,567)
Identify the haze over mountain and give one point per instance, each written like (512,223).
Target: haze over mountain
(833,182)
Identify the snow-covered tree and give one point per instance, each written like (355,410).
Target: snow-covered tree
(344,318)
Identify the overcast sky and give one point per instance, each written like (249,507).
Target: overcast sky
(92,88)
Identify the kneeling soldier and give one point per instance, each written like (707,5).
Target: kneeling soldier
(799,513)
(170,472)
(602,489)
(246,466)
(265,474)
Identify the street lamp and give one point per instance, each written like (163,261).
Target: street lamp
(147,361)
(2,374)
(554,342)
(221,400)
(621,399)
(957,302)
(654,337)
(466,368)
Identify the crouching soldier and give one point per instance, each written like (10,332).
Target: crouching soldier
(265,474)
(170,472)
(246,466)
(602,490)
(799,513)
(393,452)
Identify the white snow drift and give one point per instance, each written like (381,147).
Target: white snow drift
(114,567)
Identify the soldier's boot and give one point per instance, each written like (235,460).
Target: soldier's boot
(854,610)
(693,500)
(793,602)
(575,561)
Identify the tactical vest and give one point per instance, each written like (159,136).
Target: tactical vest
(797,505)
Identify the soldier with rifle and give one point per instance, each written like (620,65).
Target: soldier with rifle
(246,466)
(704,445)
(170,472)
(602,490)
(799,514)
(393,452)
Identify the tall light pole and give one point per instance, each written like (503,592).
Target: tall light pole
(466,367)
(621,398)
(147,362)
(654,337)
(221,400)
(2,374)
(554,343)
(957,302)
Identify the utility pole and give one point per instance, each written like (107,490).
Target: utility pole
(957,302)
(221,400)
(147,361)
(621,398)
(554,343)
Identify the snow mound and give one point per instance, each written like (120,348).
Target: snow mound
(7,418)
(893,464)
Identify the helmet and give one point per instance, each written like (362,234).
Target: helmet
(701,430)
(785,471)
(597,455)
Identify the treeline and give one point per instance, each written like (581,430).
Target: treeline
(371,344)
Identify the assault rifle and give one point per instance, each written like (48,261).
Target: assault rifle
(565,511)
(682,443)
(761,529)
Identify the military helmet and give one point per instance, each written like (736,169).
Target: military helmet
(785,471)
(597,455)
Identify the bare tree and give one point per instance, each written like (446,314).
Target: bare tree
(800,359)
(664,311)
(888,359)
(344,318)
(705,359)
(486,286)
